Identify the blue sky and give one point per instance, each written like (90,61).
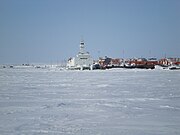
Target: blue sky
(50,30)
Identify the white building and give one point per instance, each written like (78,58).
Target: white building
(82,60)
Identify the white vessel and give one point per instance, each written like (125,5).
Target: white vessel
(82,60)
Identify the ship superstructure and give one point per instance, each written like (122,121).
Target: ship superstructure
(82,60)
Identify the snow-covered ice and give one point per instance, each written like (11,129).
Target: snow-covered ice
(104,102)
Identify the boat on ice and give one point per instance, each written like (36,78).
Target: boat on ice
(174,67)
(82,61)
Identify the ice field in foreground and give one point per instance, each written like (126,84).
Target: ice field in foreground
(110,102)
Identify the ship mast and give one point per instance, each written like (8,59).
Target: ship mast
(82,47)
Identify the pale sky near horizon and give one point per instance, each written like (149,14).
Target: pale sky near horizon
(50,30)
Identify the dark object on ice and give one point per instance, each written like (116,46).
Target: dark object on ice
(11,66)
(4,66)
(151,66)
(96,66)
(25,64)
(38,67)
(61,104)
(145,66)
(174,68)
(165,66)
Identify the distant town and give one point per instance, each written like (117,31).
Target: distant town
(84,61)
(143,63)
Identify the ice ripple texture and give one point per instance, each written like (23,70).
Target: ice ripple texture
(110,102)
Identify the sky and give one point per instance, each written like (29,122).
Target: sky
(44,31)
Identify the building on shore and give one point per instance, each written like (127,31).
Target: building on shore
(110,62)
(169,61)
(82,60)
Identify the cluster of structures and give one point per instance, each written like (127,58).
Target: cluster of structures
(83,60)
(138,62)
